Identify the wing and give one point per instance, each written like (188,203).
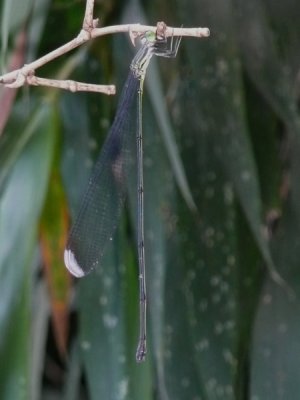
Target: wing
(104,196)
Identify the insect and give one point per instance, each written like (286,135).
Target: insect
(104,197)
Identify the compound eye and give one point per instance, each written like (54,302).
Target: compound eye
(148,37)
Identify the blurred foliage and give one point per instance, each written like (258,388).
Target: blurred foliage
(223,281)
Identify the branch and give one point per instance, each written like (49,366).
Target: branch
(73,86)
(89,31)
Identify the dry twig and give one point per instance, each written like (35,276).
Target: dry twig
(89,31)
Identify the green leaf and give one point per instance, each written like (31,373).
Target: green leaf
(267,67)
(16,136)
(54,224)
(72,384)
(108,330)
(20,208)
(13,15)
(275,343)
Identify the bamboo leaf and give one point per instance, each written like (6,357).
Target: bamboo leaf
(266,66)
(20,208)
(53,233)
(13,15)
(275,344)
(16,137)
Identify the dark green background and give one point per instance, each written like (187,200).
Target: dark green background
(223,280)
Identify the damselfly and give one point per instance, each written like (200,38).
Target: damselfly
(103,199)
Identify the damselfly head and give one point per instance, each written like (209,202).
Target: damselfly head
(148,37)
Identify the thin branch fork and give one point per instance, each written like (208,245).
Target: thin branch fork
(89,31)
